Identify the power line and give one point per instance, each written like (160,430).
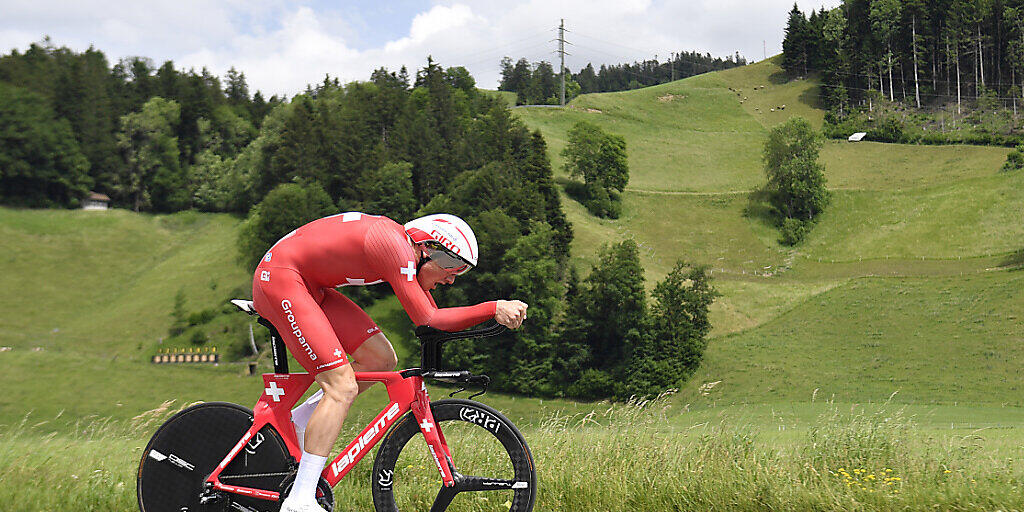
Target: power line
(561,52)
(501,47)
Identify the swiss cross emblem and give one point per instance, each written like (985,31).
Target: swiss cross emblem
(409,271)
(274,391)
(426,425)
(338,352)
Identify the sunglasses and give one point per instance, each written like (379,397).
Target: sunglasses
(446,259)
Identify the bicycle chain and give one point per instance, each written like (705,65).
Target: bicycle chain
(254,475)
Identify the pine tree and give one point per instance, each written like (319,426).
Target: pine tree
(237,90)
(794,45)
(507,73)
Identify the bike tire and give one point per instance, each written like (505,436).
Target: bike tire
(483,443)
(189,446)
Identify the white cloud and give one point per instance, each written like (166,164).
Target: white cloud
(281,47)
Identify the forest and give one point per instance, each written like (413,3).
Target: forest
(963,56)
(538,84)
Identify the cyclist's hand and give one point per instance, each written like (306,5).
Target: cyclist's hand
(510,313)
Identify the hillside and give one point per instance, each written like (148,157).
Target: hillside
(105,282)
(874,298)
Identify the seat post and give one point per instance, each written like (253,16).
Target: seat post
(277,347)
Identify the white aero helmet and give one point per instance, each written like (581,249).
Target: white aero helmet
(449,240)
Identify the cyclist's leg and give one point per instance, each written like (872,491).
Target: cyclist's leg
(362,339)
(375,355)
(339,387)
(281,296)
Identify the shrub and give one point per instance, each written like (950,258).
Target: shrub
(201,317)
(793,231)
(198,337)
(889,129)
(598,200)
(593,384)
(979,138)
(1015,160)
(933,138)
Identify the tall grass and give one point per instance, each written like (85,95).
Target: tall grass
(624,457)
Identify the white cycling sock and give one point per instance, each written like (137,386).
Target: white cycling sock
(302,413)
(310,467)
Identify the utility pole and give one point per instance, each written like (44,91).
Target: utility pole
(764,47)
(561,52)
(672,66)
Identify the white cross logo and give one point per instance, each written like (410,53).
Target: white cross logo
(338,352)
(426,425)
(274,391)
(350,216)
(409,271)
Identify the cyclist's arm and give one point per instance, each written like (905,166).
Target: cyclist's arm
(395,262)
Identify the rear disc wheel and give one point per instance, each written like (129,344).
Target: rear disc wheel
(190,445)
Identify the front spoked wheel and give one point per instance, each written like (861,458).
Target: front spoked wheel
(493,466)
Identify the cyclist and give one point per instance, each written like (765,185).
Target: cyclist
(294,287)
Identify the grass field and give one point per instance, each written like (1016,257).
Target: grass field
(929,340)
(962,219)
(812,456)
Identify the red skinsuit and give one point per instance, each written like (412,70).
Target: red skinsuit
(294,287)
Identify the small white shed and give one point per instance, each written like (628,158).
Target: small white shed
(857,136)
(96,201)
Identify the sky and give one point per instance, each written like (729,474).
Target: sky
(283,46)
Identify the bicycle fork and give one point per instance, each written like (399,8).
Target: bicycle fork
(436,443)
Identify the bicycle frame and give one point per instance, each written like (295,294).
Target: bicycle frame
(283,390)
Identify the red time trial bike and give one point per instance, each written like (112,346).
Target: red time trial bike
(218,456)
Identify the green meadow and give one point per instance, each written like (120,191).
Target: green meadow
(891,339)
